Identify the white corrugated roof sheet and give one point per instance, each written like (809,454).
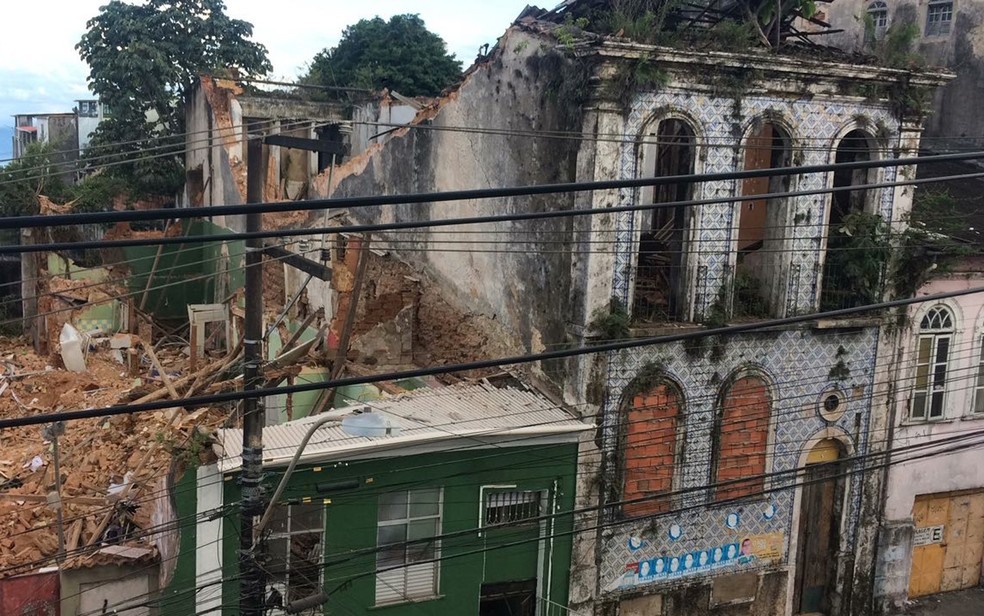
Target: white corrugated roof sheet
(428,420)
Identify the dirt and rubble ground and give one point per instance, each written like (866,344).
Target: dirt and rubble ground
(968,602)
(94,453)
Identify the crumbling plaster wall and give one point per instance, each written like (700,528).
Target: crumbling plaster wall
(955,118)
(517,273)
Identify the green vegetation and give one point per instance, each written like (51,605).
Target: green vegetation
(928,246)
(857,253)
(143,59)
(614,324)
(400,54)
(748,300)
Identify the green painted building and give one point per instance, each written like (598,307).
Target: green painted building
(457,507)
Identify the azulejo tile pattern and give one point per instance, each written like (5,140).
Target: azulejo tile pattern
(797,361)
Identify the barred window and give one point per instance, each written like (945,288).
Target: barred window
(512,507)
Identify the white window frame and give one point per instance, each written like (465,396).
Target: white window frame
(931,372)
(879,14)
(939,18)
(287,535)
(397,585)
(977,408)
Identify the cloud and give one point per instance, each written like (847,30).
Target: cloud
(40,69)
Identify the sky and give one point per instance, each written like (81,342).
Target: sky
(40,70)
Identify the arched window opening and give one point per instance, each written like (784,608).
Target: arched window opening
(857,239)
(761,221)
(660,277)
(742,439)
(932,364)
(877,20)
(651,449)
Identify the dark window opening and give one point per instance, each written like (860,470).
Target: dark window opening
(508,599)
(761,222)
(660,277)
(856,237)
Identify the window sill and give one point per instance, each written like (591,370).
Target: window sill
(972,417)
(383,606)
(912,423)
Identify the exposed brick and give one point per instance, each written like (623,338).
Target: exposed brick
(743,438)
(650,449)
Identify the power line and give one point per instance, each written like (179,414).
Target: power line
(481,364)
(443,222)
(464,195)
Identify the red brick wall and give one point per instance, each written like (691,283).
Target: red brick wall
(743,438)
(650,449)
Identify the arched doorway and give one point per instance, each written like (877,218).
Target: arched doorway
(821,505)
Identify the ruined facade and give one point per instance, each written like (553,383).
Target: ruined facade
(713,459)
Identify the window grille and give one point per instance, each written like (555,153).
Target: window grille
(512,507)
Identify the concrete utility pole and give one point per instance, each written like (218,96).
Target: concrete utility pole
(253,584)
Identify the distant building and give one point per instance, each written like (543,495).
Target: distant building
(90,113)
(949,35)
(60,130)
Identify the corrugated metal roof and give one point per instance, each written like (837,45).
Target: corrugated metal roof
(482,413)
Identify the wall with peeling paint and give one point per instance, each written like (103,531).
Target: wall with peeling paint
(517,273)
(934,474)
(955,120)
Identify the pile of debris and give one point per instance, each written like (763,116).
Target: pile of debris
(115,471)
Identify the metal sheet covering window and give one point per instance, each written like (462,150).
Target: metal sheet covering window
(407,558)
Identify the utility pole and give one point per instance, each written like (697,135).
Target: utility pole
(253,584)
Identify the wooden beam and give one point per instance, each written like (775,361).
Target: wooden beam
(318,270)
(311,145)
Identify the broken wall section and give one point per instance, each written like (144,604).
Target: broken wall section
(499,271)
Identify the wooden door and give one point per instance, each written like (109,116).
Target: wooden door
(819,530)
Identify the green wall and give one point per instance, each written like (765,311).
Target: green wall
(195,265)
(468,560)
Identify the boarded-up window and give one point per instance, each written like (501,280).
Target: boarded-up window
(742,439)
(650,449)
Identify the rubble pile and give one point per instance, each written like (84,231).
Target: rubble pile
(113,469)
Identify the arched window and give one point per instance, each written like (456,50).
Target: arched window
(878,12)
(651,449)
(848,282)
(742,438)
(932,359)
(761,222)
(659,281)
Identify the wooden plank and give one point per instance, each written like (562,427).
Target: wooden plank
(43,498)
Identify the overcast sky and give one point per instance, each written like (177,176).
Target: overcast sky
(40,70)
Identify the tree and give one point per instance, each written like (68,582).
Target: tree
(400,54)
(142,60)
(33,174)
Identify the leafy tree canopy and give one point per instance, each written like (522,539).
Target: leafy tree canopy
(35,173)
(400,54)
(142,60)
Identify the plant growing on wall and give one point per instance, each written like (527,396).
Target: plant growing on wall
(857,254)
